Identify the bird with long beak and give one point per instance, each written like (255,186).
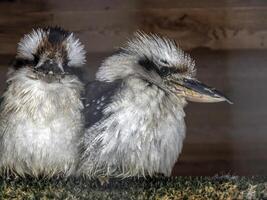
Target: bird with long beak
(41,117)
(134,110)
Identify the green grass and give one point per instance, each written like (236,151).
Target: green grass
(224,187)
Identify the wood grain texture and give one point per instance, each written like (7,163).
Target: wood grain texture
(106,24)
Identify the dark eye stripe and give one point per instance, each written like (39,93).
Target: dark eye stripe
(36,59)
(20,62)
(149,65)
(164,61)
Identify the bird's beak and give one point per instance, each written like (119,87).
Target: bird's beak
(193,90)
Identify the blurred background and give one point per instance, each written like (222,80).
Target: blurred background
(227,38)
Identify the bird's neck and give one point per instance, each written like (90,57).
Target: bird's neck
(39,99)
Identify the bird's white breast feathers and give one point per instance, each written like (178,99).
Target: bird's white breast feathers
(143,134)
(40,125)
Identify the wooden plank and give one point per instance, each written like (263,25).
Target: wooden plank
(232,28)
(223,150)
(95,31)
(201,4)
(105,5)
(220,167)
(215,28)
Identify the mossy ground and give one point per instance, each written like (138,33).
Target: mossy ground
(223,187)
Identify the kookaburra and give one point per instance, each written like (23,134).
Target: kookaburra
(134,111)
(41,117)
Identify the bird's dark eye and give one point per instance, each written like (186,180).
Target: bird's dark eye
(164,71)
(36,59)
(164,61)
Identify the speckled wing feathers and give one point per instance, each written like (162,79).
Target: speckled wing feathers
(97,96)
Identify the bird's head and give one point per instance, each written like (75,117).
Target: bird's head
(49,54)
(160,62)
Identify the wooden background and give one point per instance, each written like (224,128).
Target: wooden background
(228,40)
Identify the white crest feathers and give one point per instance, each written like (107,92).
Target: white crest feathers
(28,45)
(76,52)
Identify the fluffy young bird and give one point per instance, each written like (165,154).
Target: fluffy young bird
(41,112)
(134,110)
